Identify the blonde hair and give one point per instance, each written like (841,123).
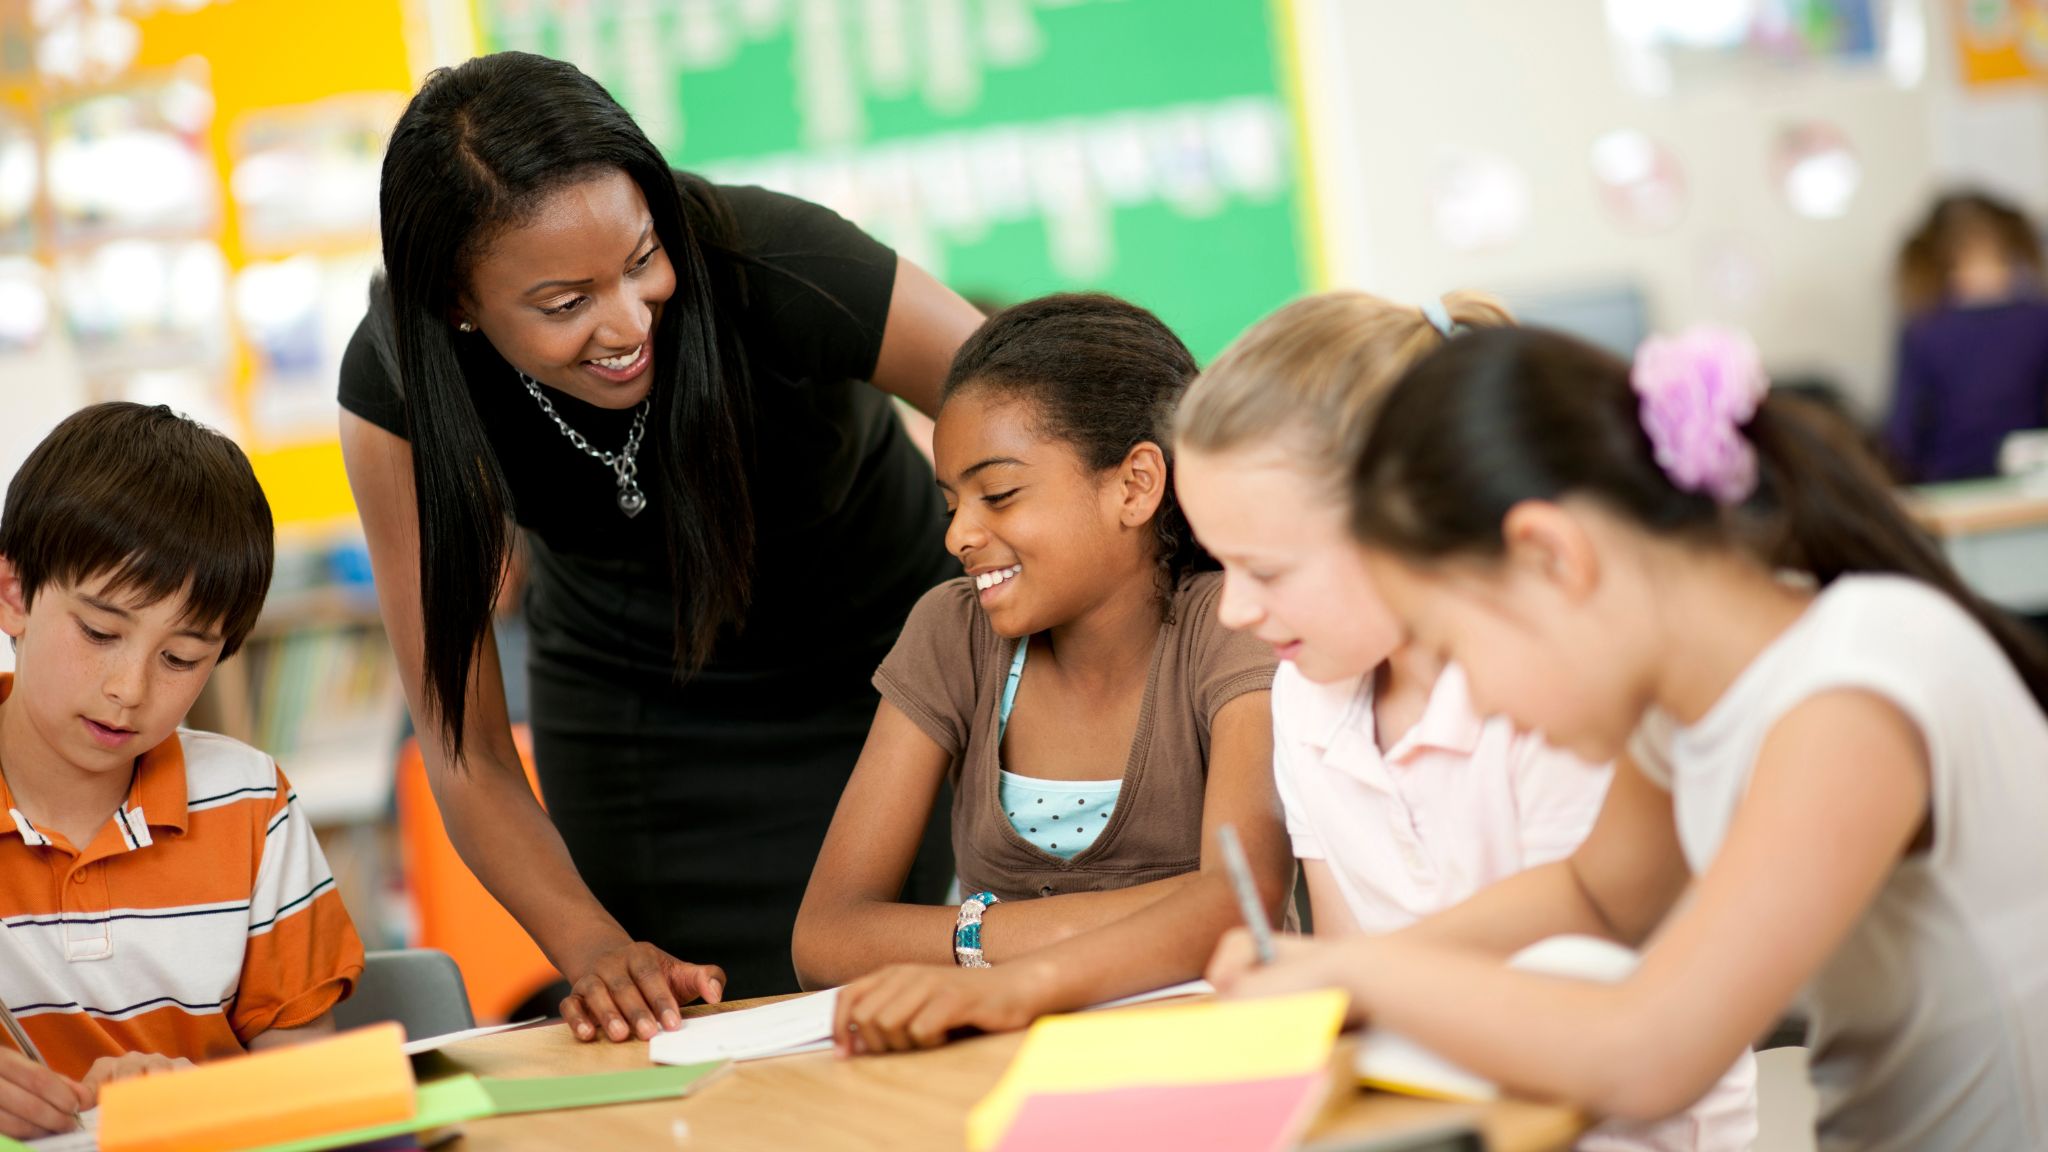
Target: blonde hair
(1315,371)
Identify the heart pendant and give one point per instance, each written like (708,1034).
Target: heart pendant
(631,501)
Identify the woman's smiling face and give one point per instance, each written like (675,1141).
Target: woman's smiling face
(573,294)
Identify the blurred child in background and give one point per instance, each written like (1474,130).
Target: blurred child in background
(1973,360)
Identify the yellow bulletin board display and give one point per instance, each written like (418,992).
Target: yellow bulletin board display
(268,117)
(2002,41)
(266,56)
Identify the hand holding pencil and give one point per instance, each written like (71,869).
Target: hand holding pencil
(1253,945)
(35,1101)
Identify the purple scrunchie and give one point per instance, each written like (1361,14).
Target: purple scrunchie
(1698,389)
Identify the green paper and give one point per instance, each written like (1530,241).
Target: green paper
(555,1093)
(459,1098)
(441,1103)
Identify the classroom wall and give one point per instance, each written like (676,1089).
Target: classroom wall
(1404,85)
(40,389)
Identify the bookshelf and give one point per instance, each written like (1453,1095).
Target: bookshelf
(317,687)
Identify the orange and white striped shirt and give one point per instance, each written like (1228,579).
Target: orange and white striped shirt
(200,916)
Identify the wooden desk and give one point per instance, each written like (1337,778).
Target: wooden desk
(911,1102)
(1995,532)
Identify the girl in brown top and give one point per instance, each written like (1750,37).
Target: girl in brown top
(1095,722)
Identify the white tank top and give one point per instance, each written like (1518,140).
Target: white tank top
(1929,1026)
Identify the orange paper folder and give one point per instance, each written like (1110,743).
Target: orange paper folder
(355,1080)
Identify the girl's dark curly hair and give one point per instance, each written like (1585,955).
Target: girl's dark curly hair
(1105,376)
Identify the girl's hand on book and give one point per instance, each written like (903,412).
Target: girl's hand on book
(907,1006)
(35,1101)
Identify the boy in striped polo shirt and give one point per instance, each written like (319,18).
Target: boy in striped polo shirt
(162,899)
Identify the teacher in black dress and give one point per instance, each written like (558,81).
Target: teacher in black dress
(663,387)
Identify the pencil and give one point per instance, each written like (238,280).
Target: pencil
(1248,903)
(19,1036)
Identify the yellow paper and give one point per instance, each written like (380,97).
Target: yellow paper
(354,1080)
(1174,1044)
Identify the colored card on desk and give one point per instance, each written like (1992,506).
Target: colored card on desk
(354,1080)
(445,1103)
(440,1104)
(556,1093)
(1211,1043)
(1242,1116)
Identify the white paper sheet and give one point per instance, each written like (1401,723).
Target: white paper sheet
(85,1139)
(436,1043)
(780,1029)
(1190,988)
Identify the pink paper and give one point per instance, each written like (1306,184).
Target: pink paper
(1246,1116)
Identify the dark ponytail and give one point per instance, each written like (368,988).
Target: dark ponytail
(1105,376)
(1503,416)
(477,150)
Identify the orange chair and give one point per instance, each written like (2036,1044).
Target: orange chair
(501,964)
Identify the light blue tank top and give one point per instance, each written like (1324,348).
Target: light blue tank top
(1057,816)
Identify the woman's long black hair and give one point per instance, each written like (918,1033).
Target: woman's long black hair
(1506,415)
(475,153)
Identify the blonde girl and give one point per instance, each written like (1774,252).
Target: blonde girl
(1401,800)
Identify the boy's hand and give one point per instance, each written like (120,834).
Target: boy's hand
(35,1101)
(906,1006)
(636,991)
(127,1066)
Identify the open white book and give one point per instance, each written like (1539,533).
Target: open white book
(1390,1061)
(803,1024)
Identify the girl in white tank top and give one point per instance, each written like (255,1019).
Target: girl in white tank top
(1833,776)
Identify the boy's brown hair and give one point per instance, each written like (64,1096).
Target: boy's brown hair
(159,504)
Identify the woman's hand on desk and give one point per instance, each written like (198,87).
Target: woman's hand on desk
(1299,965)
(35,1101)
(635,990)
(907,1006)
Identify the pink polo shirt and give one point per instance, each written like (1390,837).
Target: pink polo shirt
(1457,804)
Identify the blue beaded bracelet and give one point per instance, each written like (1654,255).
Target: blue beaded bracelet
(967,930)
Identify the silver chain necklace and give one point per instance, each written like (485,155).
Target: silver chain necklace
(631,499)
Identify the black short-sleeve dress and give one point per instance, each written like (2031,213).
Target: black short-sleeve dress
(695,810)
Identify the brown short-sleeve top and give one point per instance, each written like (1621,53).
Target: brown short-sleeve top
(947,673)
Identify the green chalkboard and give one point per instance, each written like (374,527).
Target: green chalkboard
(1013,147)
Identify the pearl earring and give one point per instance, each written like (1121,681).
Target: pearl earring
(466,326)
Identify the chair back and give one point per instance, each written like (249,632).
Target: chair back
(418,987)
